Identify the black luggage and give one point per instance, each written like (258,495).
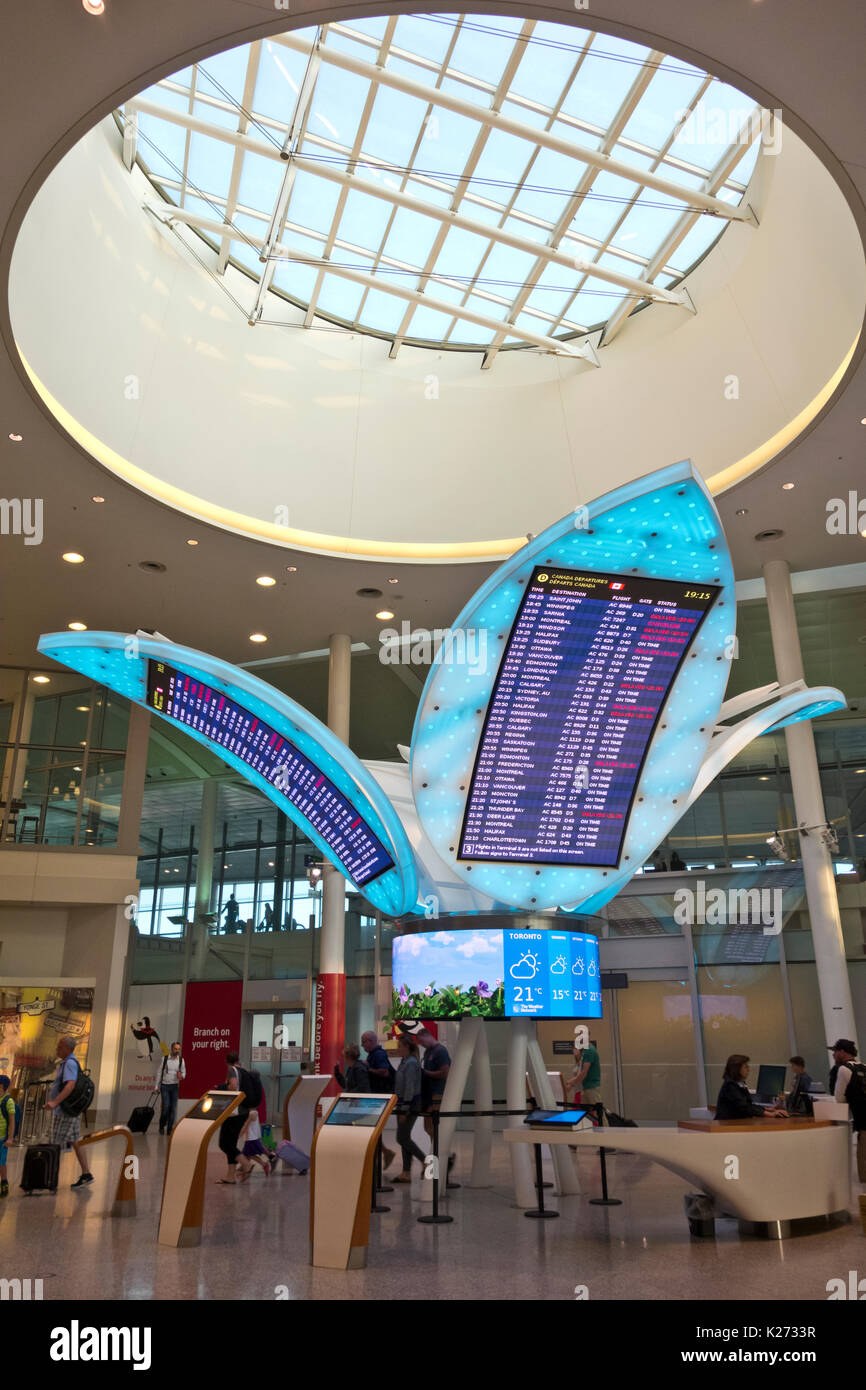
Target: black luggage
(41,1168)
(139,1120)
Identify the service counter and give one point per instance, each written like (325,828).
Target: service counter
(763,1172)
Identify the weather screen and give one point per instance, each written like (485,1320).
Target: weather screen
(588,666)
(197,705)
(492,973)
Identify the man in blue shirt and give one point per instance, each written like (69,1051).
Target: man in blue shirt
(66,1129)
(434,1074)
(381,1076)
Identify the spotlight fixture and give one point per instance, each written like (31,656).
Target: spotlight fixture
(266,581)
(742,511)
(16,438)
(72,557)
(787,487)
(258,637)
(42,680)
(97,499)
(291,569)
(393,581)
(94,7)
(192,542)
(384,615)
(77,627)
(778,846)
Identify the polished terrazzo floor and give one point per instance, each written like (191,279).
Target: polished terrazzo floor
(255,1239)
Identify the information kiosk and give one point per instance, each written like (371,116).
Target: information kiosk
(184,1181)
(299,1109)
(342,1180)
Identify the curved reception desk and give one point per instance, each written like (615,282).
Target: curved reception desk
(763,1172)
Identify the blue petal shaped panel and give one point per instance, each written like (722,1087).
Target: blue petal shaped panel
(661,527)
(120,661)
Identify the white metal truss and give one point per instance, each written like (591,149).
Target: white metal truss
(467,206)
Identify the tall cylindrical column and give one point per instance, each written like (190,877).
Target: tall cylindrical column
(204,875)
(833,983)
(330,1010)
(520,1030)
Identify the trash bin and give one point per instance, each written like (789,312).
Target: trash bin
(700,1214)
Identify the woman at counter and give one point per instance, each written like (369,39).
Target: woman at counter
(734,1102)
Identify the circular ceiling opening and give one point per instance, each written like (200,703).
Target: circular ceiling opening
(449,180)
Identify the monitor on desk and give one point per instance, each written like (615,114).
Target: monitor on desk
(771,1083)
(357,1110)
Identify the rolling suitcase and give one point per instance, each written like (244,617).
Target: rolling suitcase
(292,1156)
(41,1168)
(140,1119)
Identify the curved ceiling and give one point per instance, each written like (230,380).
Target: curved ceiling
(88,67)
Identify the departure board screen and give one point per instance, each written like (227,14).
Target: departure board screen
(192,702)
(588,666)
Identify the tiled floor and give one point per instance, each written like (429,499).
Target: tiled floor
(255,1239)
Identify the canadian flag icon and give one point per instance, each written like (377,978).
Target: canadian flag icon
(617,586)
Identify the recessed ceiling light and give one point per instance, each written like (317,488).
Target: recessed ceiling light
(72,557)
(93,6)
(42,680)
(291,569)
(786,487)
(83,709)
(384,614)
(393,581)
(369,593)
(97,499)
(258,637)
(266,581)
(77,627)
(863,421)
(16,438)
(742,511)
(769,535)
(192,542)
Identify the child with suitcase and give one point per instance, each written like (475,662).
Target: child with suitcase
(7,1130)
(251,1147)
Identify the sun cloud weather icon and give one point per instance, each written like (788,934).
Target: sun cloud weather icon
(525,968)
(559,966)
(578,967)
(593,968)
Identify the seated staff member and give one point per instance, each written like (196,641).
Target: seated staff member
(734,1102)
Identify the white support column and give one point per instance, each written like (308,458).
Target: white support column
(482,1079)
(567,1181)
(833,983)
(521,1154)
(332,945)
(468,1030)
(203,876)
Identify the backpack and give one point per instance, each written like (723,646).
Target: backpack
(80,1098)
(855,1094)
(384,1085)
(16,1108)
(251,1084)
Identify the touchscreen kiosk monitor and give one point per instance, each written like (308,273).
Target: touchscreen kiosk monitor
(357,1110)
(565,1119)
(211,1106)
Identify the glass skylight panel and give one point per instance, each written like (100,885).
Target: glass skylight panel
(565,80)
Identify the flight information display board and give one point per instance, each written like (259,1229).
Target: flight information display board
(192,702)
(588,666)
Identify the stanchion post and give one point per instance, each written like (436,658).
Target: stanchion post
(376,1186)
(540,1214)
(434,1219)
(603,1200)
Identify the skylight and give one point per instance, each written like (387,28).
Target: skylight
(467,182)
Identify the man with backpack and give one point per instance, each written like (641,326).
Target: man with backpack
(238,1079)
(382,1076)
(848,1087)
(9,1121)
(66,1128)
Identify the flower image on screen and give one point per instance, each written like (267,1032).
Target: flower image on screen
(490,973)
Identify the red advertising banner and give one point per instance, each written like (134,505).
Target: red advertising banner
(211,1028)
(329,1026)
